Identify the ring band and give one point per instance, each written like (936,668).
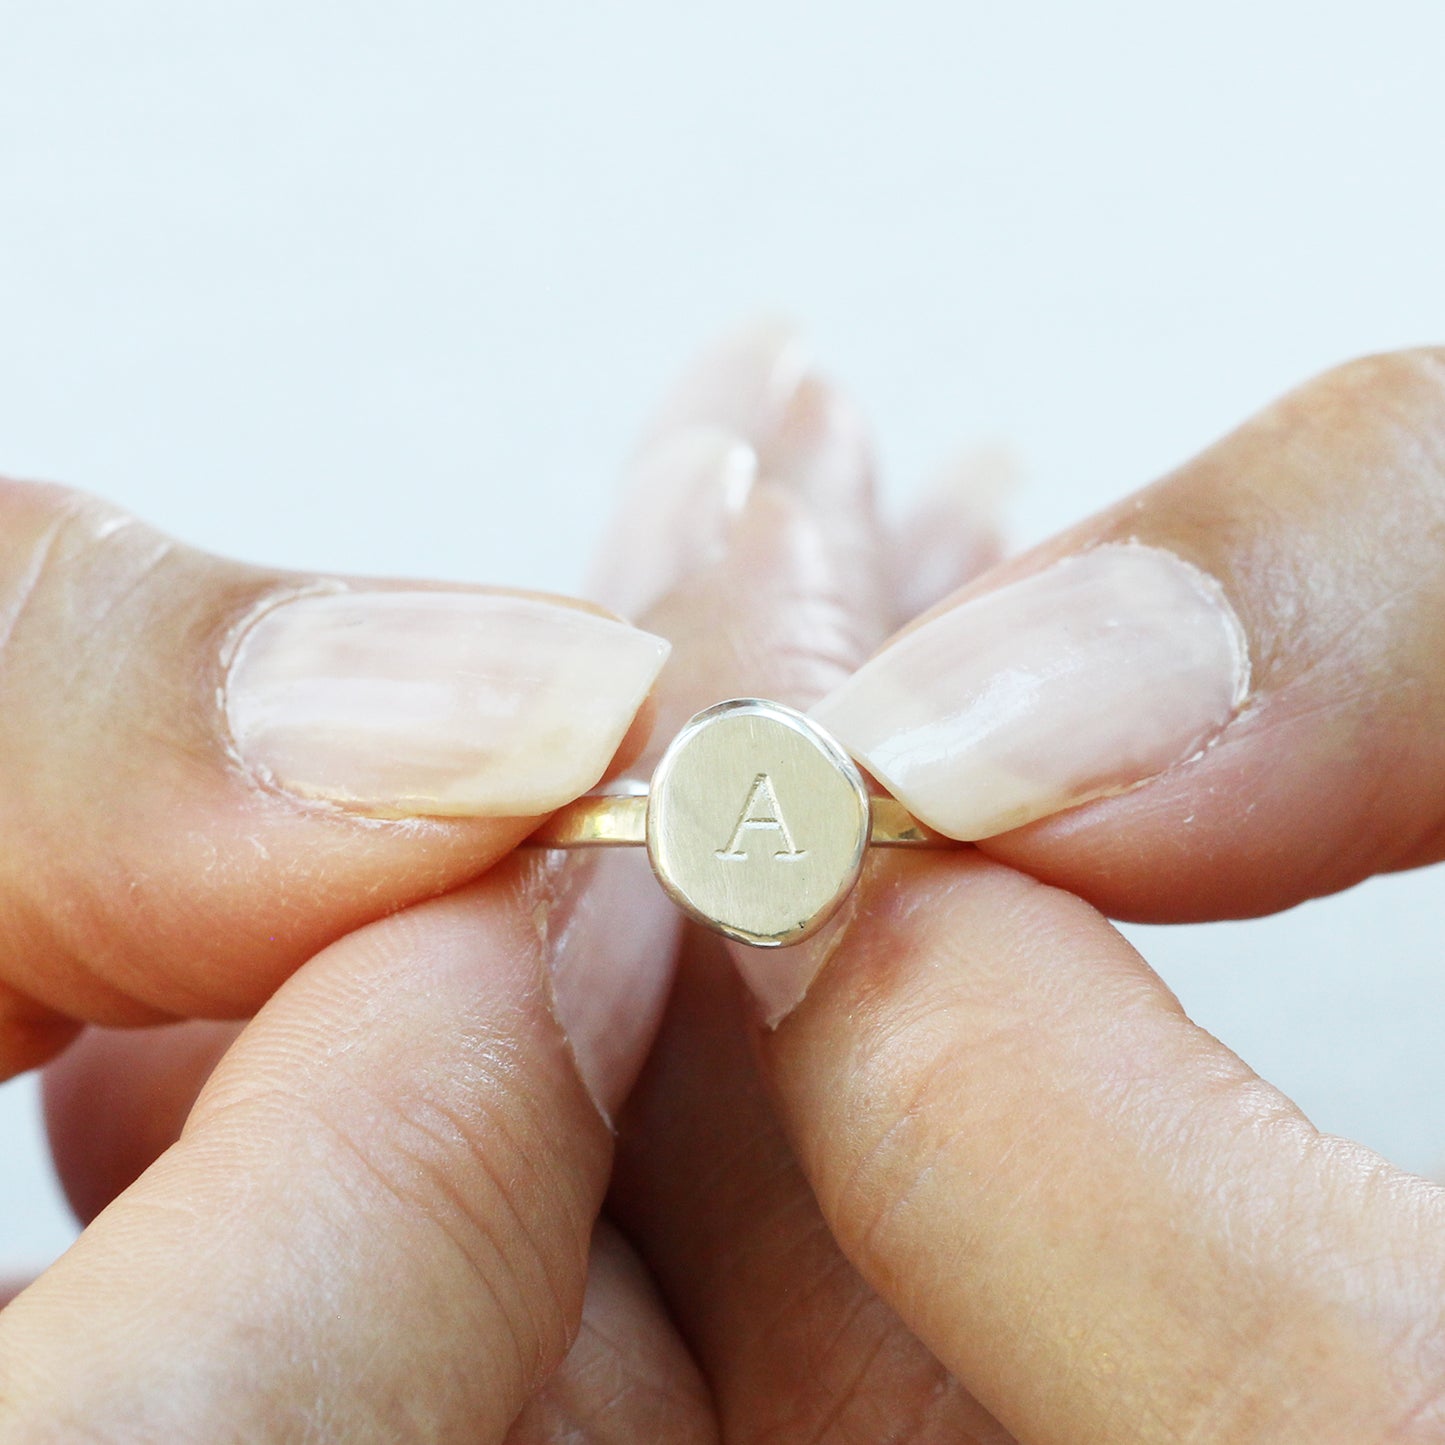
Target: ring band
(755,822)
(619,820)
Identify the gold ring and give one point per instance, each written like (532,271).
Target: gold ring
(755,822)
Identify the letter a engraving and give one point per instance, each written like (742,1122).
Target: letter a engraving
(761,812)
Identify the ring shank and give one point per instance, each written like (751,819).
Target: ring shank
(620,821)
(611,821)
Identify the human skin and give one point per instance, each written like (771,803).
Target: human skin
(164,772)
(623,1376)
(159,864)
(986,1181)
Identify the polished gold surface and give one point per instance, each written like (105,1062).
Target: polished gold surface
(596,822)
(895,827)
(755,822)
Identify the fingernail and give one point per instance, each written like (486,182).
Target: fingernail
(798,560)
(758,386)
(610,938)
(819,450)
(749,409)
(1081,680)
(693,474)
(955,532)
(741,385)
(779,978)
(683,493)
(435,702)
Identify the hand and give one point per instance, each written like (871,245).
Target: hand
(117,1099)
(1025,1197)
(196,757)
(1094,1215)
(1095,1280)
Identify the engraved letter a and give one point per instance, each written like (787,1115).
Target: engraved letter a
(761,810)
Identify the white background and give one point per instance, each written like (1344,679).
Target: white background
(387,287)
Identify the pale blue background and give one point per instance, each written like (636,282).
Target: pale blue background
(388,287)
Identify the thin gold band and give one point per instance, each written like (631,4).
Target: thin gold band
(620,821)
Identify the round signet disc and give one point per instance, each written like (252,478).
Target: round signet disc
(756,822)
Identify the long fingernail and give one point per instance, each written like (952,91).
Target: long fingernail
(435,702)
(1102,670)
(694,472)
(758,386)
(742,384)
(818,448)
(683,493)
(796,562)
(954,533)
(779,978)
(610,940)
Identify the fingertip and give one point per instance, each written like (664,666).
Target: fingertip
(434,702)
(635,740)
(215,770)
(740,383)
(954,533)
(118,1098)
(31,1033)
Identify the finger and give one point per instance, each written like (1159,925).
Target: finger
(627,1378)
(780,600)
(753,458)
(30,1032)
(796,1344)
(376,1222)
(115,1103)
(953,534)
(1246,655)
(1087,1207)
(117,1099)
(213,770)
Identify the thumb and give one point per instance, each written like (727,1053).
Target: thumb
(209,771)
(1219,698)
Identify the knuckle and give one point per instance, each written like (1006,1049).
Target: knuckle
(52,542)
(73,569)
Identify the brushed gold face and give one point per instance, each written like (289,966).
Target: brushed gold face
(756,822)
